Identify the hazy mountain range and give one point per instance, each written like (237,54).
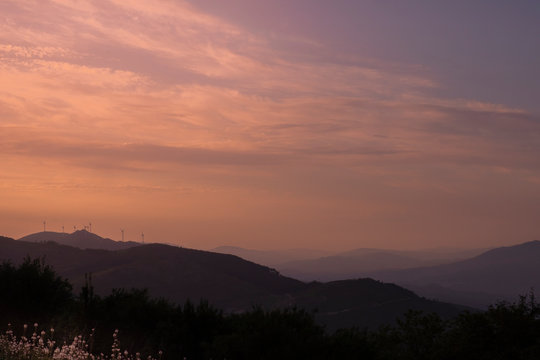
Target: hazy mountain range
(498,274)
(310,265)
(272,258)
(235,284)
(227,281)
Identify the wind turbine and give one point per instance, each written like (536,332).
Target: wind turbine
(142,236)
(90,227)
(44,224)
(122,230)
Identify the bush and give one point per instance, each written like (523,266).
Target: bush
(32,292)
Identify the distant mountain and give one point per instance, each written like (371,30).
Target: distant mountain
(272,258)
(81,239)
(359,262)
(345,267)
(226,281)
(436,254)
(498,274)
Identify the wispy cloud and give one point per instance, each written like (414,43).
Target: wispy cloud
(191,101)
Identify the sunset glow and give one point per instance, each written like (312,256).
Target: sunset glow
(251,126)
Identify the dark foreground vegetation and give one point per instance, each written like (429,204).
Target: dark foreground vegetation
(32,292)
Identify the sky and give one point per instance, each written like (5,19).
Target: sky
(272,124)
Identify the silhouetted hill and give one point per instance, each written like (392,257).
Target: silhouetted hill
(498,274)
(348,303)
(170,272)
(227,281)
(81,239)
(359,262)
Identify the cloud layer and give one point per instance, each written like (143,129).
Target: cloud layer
(194,121)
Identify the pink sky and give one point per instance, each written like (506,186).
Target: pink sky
(200,129)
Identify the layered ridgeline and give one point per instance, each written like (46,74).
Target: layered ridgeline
(313,265)
(226,281)
(273,258)
(497,274)
(476,277)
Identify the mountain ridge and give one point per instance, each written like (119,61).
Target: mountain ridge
(273,258)
(226,281)
(82,239)
(363,261)
(502,273)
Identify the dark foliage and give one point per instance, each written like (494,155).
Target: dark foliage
(33,292)
(276,334)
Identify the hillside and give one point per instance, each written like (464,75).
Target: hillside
(360,262)
(81,239)
(368,302)
(498,274)
(227,281)
(175,273)
(337,267)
